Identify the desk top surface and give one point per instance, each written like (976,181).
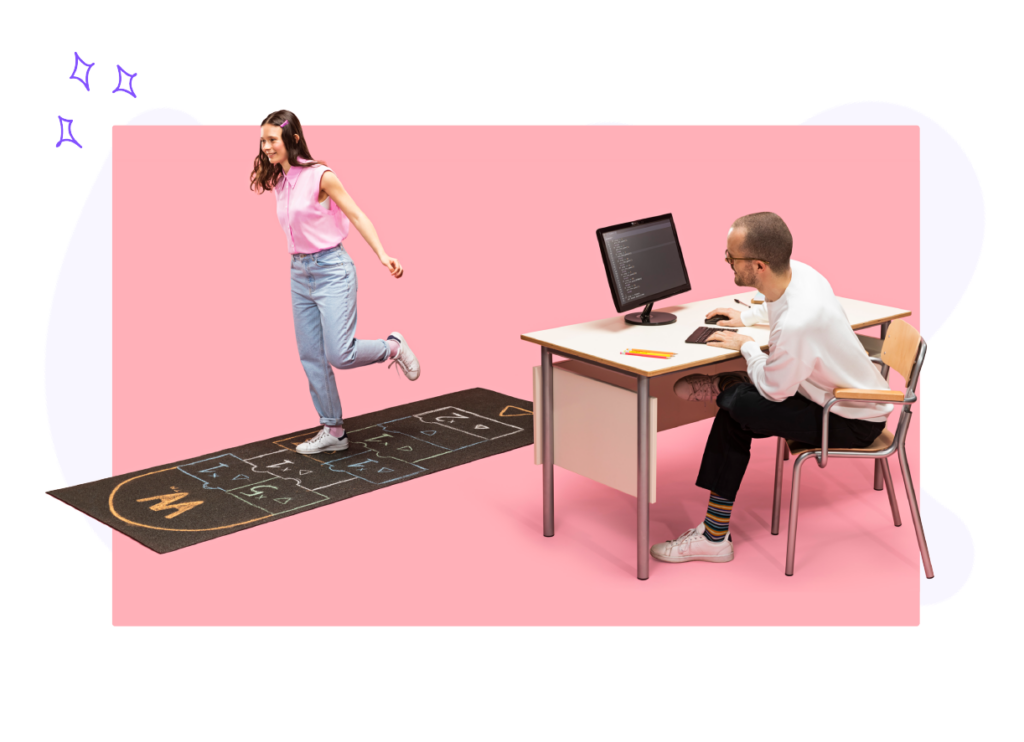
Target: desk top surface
(603,341)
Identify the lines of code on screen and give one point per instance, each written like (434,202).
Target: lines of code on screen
(644,261)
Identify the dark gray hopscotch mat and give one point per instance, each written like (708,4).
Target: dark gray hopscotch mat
(176,505)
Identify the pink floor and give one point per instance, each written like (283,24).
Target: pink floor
(464,547)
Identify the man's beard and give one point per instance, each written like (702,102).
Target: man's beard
(738,280)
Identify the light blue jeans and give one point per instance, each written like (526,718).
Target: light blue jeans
(324,307)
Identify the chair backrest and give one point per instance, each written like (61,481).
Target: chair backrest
(902,351)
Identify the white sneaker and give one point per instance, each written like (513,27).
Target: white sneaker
(405,359)
(694,546)
(322,442)
(703,388)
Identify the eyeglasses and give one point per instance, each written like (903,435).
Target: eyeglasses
(730,259)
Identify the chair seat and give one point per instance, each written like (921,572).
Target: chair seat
(881,443)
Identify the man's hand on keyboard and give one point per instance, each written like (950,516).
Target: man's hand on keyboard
(733,315)
(730,340)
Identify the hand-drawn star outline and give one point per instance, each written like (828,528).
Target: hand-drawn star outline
(70,137)
(121,74)
(88,68)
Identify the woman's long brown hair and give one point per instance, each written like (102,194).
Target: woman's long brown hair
(264,175)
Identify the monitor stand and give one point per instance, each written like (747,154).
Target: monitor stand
(647,317)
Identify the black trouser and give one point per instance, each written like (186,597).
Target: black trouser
(744,415)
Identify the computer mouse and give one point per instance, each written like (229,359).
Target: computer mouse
(715,319)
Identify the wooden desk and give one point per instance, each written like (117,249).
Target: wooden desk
(596,348)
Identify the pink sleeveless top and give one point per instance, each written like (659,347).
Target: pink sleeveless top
(308,226)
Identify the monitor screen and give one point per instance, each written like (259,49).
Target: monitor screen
(644,261)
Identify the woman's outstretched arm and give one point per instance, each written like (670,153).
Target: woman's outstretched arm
(330,184)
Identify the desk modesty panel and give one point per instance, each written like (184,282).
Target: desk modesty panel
(595,420)
(595,429)
(604,340)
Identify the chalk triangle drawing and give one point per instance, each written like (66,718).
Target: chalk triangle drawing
(240,476)
(520,412)
(481,427)
(405,448)
(283,500)
(384,470)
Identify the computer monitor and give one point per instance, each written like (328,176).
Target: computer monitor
(644,264)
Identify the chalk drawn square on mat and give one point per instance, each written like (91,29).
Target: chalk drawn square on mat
(399,445)
(469,422)
(305,471)
(370,467)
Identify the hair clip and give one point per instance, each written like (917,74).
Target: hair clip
(284,124)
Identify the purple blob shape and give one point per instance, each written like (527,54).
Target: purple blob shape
(79,339)
(952,207)
(952,230)
(951,548)
(79,347)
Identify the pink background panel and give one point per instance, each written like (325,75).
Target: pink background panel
(495,227)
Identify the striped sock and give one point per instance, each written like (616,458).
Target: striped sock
(716,522)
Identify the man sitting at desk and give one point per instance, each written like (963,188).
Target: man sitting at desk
(812,350)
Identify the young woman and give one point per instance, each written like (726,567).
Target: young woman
(315,212)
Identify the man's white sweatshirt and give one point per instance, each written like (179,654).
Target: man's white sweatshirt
(811,348)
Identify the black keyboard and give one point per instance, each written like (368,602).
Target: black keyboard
(701,334)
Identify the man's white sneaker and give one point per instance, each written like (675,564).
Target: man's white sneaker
(323,442)
(405,359)
(694,546)
(703,388)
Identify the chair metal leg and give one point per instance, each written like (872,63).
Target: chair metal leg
(879,476)
(780,455)
(794,504)
(883,464)
(915,514)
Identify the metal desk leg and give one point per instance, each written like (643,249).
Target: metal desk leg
(879,477)
(548,432)
(643,484)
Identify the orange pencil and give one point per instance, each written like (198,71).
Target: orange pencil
(648,355)
(656,352)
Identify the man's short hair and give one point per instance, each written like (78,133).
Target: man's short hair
(767,238)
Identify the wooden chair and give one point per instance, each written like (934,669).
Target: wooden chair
(903,350)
